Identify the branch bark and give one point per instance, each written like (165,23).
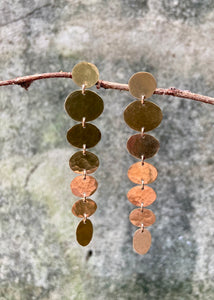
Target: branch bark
(26,81)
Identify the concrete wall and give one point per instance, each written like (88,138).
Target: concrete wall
(40,258)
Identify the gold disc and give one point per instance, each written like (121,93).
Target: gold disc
(145,217)
(142,241)
(145,145)
(79,135)
(85,73)
(80,162)
(142,84)
(82,207)
(137,196)
(147,115)
(84,232)
(80,186)
(88,105)
(146,172)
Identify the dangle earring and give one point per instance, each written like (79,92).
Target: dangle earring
(84,106)
(143,116)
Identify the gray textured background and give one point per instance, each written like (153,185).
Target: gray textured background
(40,259)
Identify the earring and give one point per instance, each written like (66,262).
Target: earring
(84,106)
(143,116)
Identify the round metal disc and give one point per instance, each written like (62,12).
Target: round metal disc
(85,73)
(81,186)
(142,241)
(146,172)
(137,196)
(88,105)
(80,162)
(80,208)
(145,145)
(147,115)
(84,232)
(142,84)
(145,217)
(79,135)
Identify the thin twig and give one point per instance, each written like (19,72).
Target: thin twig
(26,81)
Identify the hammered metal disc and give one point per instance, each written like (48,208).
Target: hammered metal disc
(147,115)
(89,105)
(81,186)
(84,232)
(85,73)
(80,162)
(79,135)
(142,241)
(137,196)
(142,84)
(82,207)
(146,172)
(145,145)
(145,217)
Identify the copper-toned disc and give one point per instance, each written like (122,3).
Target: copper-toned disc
(137,196)
(145,145)
(85,73)
(80,162)
(79,135)
(142,84)
(147,115)
(146,172)
(145,217)
(88,105)
(142,241)
(82,207)
(81,186)
(84,232)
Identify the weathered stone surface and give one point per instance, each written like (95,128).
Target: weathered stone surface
(40,258)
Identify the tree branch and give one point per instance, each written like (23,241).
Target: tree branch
(26,81)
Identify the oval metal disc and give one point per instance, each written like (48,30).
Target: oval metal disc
(142,84)
(147,115)
(137,196)
(89,105)
(145,145)
(80,162)
(145,217)
(79,135)
(85,73)
(80,208)
(146,172)
(80,186)
(142,241)
(84,232)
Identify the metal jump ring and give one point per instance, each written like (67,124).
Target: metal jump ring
(84,149)
(84,218)
(142,227)
(141,206)
(142,186)
(142,160)
(142,99)
(83,122)
(83,89)
(84,197)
